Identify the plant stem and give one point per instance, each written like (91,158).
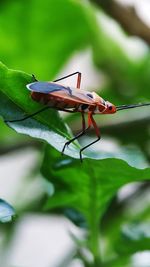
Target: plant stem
(94,221)
(94,242)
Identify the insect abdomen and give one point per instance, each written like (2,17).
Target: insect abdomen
(53,101)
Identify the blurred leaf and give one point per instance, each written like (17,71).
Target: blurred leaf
(136,231)
(76,217)
(128,78)
(126,81)
(135,237)
(133,131)
(123,261)
(39,36)
(122,213)
(6,211)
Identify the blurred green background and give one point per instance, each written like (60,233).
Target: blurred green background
(43,37)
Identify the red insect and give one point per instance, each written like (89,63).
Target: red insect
(64,98)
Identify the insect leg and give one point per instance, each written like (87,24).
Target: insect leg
(84,129)
(79,80)
(91,121)
(37,112)
(29,116)
(74,73)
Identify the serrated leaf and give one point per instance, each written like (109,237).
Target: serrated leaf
(6,211)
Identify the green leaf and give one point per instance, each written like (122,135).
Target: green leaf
(123,261)
(43,34)
(47,126)
(136,231)
(134,237)
(13,85)
(6,211)
(88,187)
(15,100)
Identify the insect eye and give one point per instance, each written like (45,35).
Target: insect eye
(110,107)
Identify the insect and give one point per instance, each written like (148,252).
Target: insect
(65,98)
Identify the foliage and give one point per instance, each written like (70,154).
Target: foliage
(6,211)
(42,41)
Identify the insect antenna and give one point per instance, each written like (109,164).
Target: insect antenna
(131,106)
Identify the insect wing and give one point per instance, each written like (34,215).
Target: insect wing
(46,87)
(75,96)
(83,96)
(70,94)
